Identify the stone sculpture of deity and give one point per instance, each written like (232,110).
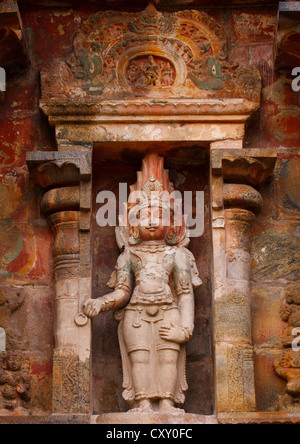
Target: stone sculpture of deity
(153,286)
(14,383)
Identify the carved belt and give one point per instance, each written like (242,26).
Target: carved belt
(164,297)
(151,314)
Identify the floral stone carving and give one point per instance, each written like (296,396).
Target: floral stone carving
(181,54)
(155,276)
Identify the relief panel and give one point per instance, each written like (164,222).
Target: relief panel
(181,54)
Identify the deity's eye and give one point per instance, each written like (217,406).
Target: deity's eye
(154,213)
(143,216)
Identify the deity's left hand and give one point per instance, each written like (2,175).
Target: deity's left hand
(172,333)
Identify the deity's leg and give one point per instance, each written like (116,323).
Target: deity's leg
(140,375)
(168,369)
(137,337)
(140,371)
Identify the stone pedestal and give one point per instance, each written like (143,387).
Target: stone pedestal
(153,418)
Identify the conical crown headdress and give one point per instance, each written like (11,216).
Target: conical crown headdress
(152,189)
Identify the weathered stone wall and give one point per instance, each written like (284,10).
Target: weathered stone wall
(26,268)
(275,274)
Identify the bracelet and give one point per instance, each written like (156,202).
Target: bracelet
(108,301)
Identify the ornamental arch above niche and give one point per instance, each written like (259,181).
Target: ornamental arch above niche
(150,54)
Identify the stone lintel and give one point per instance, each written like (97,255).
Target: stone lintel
(150,132)
(120,110)
(139,120)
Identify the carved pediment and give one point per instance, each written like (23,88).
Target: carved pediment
(120,55)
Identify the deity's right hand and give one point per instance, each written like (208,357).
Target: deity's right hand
(111,301)
(92,307)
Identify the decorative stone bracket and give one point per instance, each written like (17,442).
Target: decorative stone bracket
(235,202)
(66,177)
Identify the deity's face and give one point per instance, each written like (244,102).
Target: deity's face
(151,224)
(14,362)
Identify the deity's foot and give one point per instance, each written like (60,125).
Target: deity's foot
(144,407)
(167,406)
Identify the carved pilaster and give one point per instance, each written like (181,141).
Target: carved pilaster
(66,177)
(235,202)
(66,247)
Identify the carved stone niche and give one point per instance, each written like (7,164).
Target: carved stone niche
(151,79)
